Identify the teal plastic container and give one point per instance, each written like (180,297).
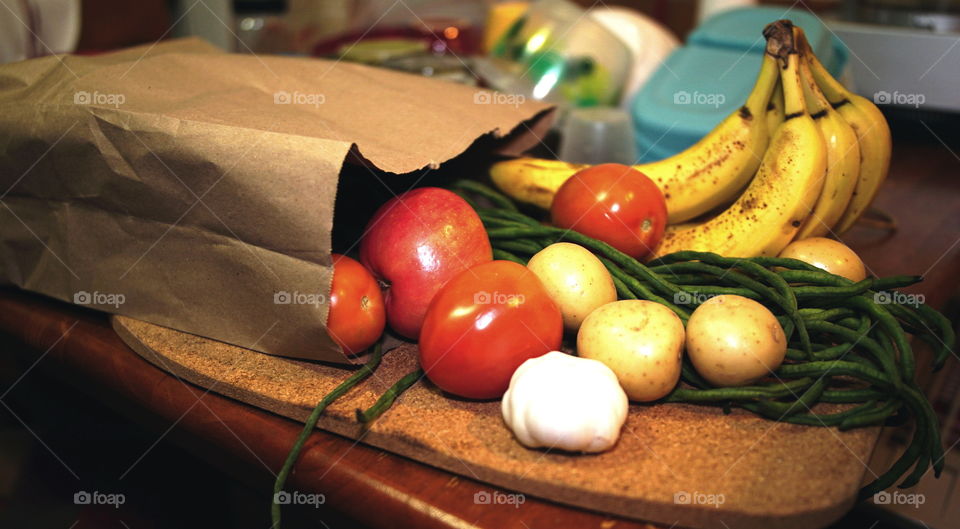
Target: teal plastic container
(701,83)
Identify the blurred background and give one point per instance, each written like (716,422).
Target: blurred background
(667,71)
(635,80)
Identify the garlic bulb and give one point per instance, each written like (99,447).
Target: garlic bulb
(562,401)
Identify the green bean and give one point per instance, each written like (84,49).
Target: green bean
(871,417)
(710,291)
(629,264)
(623,291)
(830,353)
(807,419)
(691,279)
(504,255)
(861,324)
(514,216)
(774,280)
(466,198)
(919,470)
(787,304)
(679,271)
(737,393)
(834,368)
(806,400)
(810,314)
(851,395)
(518,246)
(890,325)
(820,291)
(494,197)
(788,329)
(366,370)
(923,462)
(641,290)
(842,284)
(908,458)
(949,337)
(690,375)
(493,222)
(914,454)
(925,416)
(789,263)
(386,400)
(621,259)
(886,360)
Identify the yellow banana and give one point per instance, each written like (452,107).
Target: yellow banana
(532,180)
(769,213)
(775,109)
(708,174)
(873,135)
(843,160)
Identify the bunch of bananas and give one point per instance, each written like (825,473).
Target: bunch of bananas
(803,157)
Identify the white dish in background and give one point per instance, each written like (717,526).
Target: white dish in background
(649,43)
(35,28)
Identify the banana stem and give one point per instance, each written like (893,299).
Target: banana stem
(767,79)
(835,92)
(792,91)
(816,102)
(781,46)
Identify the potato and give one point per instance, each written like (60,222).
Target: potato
(828,254)
(575,279)
(641,341)
(733,340)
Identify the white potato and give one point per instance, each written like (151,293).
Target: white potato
(575,279)
(641,341)
(827,254)
(733,340)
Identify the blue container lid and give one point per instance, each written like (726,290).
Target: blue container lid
(693,91)
(701,83)
(740,29)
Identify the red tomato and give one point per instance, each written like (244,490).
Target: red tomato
(615,204)
(483,324)
(357,316)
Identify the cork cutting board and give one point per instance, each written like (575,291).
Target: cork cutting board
(673,465)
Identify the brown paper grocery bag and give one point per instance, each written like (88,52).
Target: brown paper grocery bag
(194,189)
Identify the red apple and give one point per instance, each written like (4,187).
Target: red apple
(416,242)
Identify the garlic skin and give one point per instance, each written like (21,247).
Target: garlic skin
(563,401)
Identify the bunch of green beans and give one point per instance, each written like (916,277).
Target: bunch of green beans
(844,347)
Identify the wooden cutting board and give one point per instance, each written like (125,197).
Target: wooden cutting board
(675,464)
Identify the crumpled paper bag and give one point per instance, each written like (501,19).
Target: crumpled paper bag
(195,189)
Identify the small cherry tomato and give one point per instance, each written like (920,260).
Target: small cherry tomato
(615,204)
(483,324)
(357,316)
